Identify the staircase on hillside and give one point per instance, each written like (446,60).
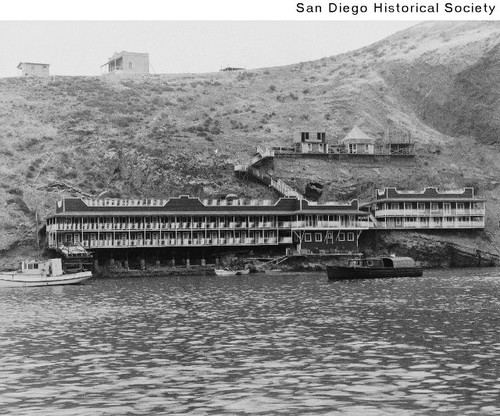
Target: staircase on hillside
(278,184)
(285,189)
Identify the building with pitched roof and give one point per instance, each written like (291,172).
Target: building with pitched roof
(127,63)
(358,142)
(33,69)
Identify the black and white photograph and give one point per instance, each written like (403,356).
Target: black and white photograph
(218,216)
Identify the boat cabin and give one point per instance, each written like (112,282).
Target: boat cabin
(386,262)
(52,267)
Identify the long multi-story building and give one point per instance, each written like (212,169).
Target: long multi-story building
(186,222)
(427,209)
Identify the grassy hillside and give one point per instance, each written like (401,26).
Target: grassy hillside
(180,134)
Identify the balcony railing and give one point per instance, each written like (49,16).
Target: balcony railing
(429,212)
(123,243)
(432,224)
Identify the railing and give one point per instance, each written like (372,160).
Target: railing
(123,243)
(432,224)
(285,189)
(429,212)
(331,224)
(212,226)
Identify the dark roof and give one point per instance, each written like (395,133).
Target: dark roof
(430,193)
(30,63)
(194,206)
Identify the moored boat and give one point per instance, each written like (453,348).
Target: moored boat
(374,268)
(42,273)
(228,272)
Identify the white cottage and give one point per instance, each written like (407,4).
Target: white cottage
(358,142)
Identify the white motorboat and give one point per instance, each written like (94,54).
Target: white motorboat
(228,272)
(42,273)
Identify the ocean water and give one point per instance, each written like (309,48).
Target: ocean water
(289,344)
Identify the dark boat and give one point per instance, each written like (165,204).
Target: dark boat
(374,268)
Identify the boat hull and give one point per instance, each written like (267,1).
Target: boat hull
(27,280)
(348,273)
(221,272)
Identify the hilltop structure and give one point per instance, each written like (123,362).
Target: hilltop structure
(127,63)
(358,142)
(33,69)
(309,142)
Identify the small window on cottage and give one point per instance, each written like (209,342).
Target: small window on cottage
(307,237)
(341,237)
(350,236)
(318,237)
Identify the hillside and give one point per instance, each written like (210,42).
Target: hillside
(161,135)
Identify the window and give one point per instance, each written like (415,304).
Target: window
(447,208)
(304,136)
(460,206)
(408,206)
(341,237)
(394,206)
(421,206)
(307,237)
(318,237)
(353,148)
(367,148)
(434,206)
(350,236)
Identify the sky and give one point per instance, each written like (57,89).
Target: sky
(81,47)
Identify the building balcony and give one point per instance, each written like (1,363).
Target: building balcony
(172,242)
(432,224)
(429,213)
(331,225)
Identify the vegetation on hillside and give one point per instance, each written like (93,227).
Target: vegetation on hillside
(161,135)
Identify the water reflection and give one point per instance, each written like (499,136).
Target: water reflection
(291,344)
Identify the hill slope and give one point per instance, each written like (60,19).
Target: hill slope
(180,134)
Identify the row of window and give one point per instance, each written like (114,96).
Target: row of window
(272,219)
(434,206)
(318,237)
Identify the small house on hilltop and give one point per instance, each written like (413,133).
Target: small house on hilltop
(309,142)
(127,63)
(33,69)
(358,142)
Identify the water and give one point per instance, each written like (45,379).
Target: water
(260,344)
